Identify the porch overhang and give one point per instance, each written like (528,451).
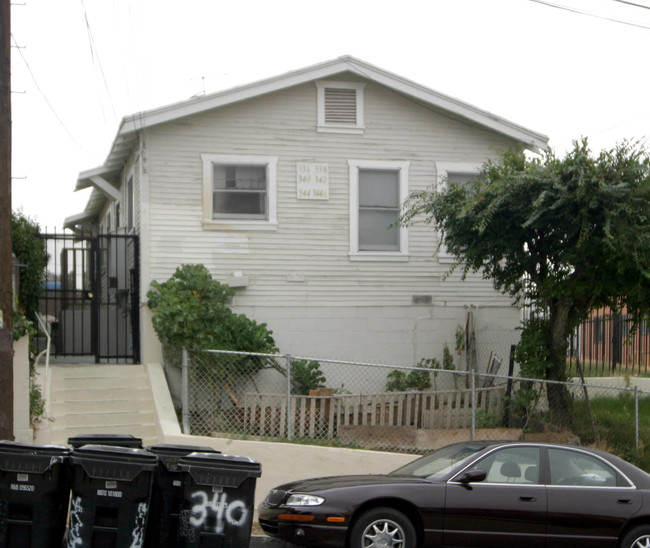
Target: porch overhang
(79,220)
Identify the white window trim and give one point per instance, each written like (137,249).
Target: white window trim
(443,169)
(271,163)
(355,254)
(324,127)
(130,202)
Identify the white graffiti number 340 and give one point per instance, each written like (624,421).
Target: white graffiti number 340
(234,514)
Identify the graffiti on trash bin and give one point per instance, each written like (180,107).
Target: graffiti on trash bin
(185,530)
(234,513)
(140,520)
(76,511)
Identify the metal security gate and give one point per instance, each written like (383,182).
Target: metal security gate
(91,296)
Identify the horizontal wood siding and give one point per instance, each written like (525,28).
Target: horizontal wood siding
(306,260)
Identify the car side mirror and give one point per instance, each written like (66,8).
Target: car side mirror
(472,476)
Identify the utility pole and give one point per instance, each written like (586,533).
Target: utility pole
(6,263)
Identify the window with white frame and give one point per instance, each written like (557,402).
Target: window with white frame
(340,106)
(377,191)
(239,191)
(454,172)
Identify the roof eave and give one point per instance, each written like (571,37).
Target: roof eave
(141,120)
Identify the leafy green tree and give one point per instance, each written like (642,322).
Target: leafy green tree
(567,235)
(32,256)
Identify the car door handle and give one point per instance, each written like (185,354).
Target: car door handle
(527,499)
(624,501)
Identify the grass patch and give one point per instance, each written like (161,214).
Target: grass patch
(615,427)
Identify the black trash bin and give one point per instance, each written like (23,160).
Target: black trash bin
(218,500)
(167,494)
(111,488)
(117,440)
(34,494)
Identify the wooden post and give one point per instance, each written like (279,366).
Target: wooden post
(6,262)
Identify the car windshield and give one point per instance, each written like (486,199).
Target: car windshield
(440,462)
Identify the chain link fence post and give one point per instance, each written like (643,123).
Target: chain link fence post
(185,392)
(289,410)
(473,376)
(636,417)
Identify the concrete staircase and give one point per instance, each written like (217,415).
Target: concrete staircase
(104,399)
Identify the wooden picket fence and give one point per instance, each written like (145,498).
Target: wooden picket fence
(321,416)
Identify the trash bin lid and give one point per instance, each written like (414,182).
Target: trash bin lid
(220,470)
(113,462)
(35,459)
(169,454)
(119,440)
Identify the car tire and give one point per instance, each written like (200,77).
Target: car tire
(383,527)
(639,537)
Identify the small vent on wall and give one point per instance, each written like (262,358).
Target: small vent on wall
(421,299)
(340,106)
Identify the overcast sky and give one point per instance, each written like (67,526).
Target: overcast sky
(85,64)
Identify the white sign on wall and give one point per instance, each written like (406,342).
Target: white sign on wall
(312,181)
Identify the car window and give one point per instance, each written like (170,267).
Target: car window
(511,465)
(576,468)
(440,462)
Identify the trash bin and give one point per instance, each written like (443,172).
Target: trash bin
(167,494)
(117,440)
(34,494)
(111,487)
(218,500)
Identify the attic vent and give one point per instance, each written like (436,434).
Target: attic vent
(340,106)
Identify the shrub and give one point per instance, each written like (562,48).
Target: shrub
(190,311)
(417,379)
(306,376)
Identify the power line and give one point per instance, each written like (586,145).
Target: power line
(95,56)
(38,87)
(633,4)
(581,12)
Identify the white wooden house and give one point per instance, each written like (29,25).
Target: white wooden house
(286,189)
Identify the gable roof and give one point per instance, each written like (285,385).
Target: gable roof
(130,125)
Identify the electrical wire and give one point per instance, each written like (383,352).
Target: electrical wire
(95,56)
(581,12)
(47,101)
(633,4)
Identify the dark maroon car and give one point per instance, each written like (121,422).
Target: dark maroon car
(480,494)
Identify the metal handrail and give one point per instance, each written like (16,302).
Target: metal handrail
(45,328)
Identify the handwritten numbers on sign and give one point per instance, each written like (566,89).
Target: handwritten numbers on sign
(312,181)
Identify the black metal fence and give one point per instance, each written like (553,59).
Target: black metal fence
(91,296)
(607,344)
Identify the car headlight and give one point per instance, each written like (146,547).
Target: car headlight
(304,500)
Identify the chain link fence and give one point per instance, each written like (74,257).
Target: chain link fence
(392,408)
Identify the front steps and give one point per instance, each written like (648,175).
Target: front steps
(104,399)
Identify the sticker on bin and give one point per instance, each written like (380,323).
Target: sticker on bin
(111,485)
(109,493)
(22,477)
(22,487)
(177,483)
